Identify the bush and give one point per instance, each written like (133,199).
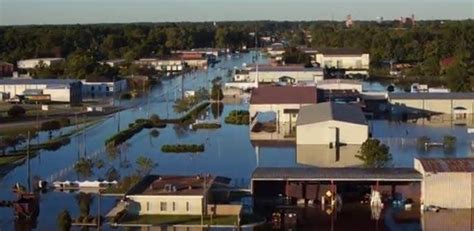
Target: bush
(154,133)
(449,142)
(179,148)
(239,117)
(155,118)
(51,125)
(206,126)
(16,111)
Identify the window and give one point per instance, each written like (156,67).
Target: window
(174,206)
(148,206)
(187,206)
(162,206)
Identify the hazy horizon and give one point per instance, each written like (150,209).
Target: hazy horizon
(27,12)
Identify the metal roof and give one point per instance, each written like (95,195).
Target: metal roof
(286,68)
(418,96)
(447,164)
(284,95)
(331,111)
(22,81)
(337,174)
(341,51)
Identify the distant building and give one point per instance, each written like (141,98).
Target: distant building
(241,75)
(59,90)
(289,74)
(166,65)
(340,84)
(447,182)
(98,87)
(114,62)
(33,63)
(331,124)
(6,69)
(276,51)
(456,105)
(353,61)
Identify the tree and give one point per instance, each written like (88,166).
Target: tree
(374,154)
(216,92)
(112,174)
(84,200)
(458,77)
(145,165)
(16,111)
(64,221)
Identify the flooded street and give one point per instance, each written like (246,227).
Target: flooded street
(228,152)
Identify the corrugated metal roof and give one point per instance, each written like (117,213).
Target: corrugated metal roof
(284,95)
(447,164)
(417,96)
(331,111)
(346,174)
(21,81)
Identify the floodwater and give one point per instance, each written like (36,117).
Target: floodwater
(228,150)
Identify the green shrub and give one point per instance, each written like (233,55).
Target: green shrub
(179,148)
(206,126)
(239,117)
(16,111)
(449,142)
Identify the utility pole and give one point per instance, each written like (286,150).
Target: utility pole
(28,162)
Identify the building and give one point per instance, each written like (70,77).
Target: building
(184,195)
(59,90)
(114,62)
(340,84)
(167,65)
(331,124)
(33,63)
(447,182)
(98,87)
(456,105)
(276,51)
(241,75)
(288,73)
(6,69)
(353,61)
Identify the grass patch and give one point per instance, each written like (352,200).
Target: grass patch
(178,148)
(206,126)
(10,159)
(238,117)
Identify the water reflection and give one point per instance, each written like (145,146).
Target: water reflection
(324,156)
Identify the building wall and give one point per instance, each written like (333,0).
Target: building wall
(344,61)
(325,132)
(278,109)
(273,76)
(147,205)
(459,196)
(102,88)
(440,106)
(32,63)
(322,156)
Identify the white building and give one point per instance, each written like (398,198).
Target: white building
(331,124)
(103,88)
(354,61)
(447,182)
(287,73)
(59,90)
(33,63)
(340,84)
(168,65)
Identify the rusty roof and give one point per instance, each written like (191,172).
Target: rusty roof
(447,164)
(171,185)
(284,95)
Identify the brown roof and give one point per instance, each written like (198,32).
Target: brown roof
(171,185)
(447,164)
(283,95)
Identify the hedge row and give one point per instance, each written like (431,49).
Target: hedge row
(133,129)
(178,148)
(239,117)
(206,126)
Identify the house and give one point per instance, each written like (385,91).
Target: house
(447,182)
(353,61)
(331,124)
(288,73)
(103,87)
(59,90)
(163,64)
(33,63)
(6,69)
(184,195)
(455,105)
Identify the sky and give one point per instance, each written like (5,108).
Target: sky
(20,12)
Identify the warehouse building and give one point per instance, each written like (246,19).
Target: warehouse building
(353,61)
(58,90)
(447,182)
(331,124)
(456,105)
(289,73)
(33,63)
(98,87)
